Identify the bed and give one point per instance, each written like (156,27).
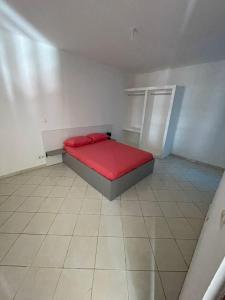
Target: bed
(109,166)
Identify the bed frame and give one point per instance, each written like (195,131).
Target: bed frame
(110,189)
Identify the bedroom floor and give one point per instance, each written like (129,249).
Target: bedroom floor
(60,239)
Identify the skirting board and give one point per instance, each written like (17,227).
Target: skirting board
(53,160)
(110,189)
(198,162)
(23,171)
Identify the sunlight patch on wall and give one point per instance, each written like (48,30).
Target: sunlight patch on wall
(48,62)
(30,82)
(12,21)
(25,66)
(5,73)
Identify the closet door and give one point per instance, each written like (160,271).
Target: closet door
(155,125)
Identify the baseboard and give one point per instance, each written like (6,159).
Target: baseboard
(198,162)
(23,171)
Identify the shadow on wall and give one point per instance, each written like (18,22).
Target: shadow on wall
(30,87)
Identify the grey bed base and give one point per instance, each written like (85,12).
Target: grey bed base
(110,189)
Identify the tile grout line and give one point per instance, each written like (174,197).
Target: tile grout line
(93,277)
(178,247)
(20,287)
(150,245)
(125,257)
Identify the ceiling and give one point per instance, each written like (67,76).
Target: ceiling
(170,32)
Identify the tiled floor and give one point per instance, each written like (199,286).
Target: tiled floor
(60,239)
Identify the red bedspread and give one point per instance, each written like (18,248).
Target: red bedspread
(109,158)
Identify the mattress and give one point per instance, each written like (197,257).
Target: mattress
(110,158)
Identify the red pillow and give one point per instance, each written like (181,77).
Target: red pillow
(77,141)
(98,136)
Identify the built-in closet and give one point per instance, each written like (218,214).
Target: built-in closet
(152,115)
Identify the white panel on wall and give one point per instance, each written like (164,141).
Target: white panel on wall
(53,139)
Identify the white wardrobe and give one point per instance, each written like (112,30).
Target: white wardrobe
(152,115)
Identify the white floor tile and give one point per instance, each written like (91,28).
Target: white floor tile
(40,223)
(23,250)
(26,190)
(10,281)
(71,205)
(12,203)
(190,210)
(157,227)
(51,204)
(59,191)
(50,181)
(151,209)
(110,226)
(144,285)
(196,225)
(52,252)
(4,216)
(42,191)
(63,224)
(130,208)
(110,285)
(130,194)
(3,199)
(139,255)
(93,193)
(167,255)
(6,241)
(77,191)
(31,204)
(187,248)
(181,229)
(170,209)
(16,223)
(146,194)
(87,225)
(110,253)
(111,207)
(81,253)
(80,182)
(91,206)
(35,180)
(134,226)
(172,283)
(7,188)
(39,284)
(74,284)
(65,181)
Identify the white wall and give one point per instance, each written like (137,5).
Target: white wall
(200,133)
(209,252)
(43,88)
(93,93)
